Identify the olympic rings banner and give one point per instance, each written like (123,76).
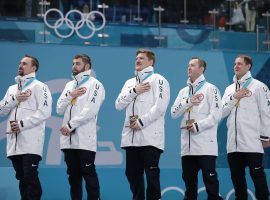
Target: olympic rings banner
(84,19)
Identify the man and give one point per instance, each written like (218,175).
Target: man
(250,12)
(28,104)
(145,98)
(80,103)
(200,105)
(247,103)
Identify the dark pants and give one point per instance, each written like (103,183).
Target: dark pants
(80,164)
(238,161)
(140,160)
(26,167)
(191,166)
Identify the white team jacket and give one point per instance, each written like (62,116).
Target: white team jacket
(31,115)
(249,122)
(82,116)
(149,106)
(206,115)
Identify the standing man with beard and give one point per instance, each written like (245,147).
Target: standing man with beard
(246,102)
(200,105)
(28,104)
(80,103)
(145,98)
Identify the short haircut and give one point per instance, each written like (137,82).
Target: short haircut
(85,58)
(247,59)
(150,54)
(201,62)
(34,61)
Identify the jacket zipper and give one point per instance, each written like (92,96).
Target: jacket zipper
(235,126)
(15,118)
(133,113)
(235,117)
(70,113)
(69,120)
(189,112)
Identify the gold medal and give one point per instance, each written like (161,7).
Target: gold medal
(73,101)
(189,109)
(133,119)
(189,122)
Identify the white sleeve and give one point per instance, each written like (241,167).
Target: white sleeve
(162,96)
(214,100)
(264,108)
(44,109)
(63,101)
(8,103)
(91,107)
(180,105)
(228,102)
(126,96)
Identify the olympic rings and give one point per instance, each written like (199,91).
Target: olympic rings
(84,19)
(182,192)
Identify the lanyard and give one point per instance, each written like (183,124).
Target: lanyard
(197,89)
(245,85)
(28,83)
(82,82)
(148,75)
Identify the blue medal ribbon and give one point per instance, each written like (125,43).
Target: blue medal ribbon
(148,75)
(197,89)
(246,84)
(28,83)
(82,82)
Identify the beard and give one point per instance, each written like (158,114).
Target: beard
(76,72)
(20,72)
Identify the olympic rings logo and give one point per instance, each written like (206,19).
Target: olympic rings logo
(182,192)
(84,19)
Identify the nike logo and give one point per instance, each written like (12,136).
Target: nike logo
(211,174)
(256,168)
(33,165)
(87,165)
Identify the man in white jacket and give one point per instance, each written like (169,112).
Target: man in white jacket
(28,104)
(80,102)
(246,102)
(200,105)
(145,98)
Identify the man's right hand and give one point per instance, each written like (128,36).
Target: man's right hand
(22,96)
(77,92)
(241,93)
(142,87)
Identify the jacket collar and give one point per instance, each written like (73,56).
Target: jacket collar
(141,75)
(197,82)
(80,77)
(243,79)
(22,80)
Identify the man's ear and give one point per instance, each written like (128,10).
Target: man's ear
(249,67)
(87,66)
(35,68)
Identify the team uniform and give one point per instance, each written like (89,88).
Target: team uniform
(80,146)
(248,124)
(199,149)
(25,148)
(144,146)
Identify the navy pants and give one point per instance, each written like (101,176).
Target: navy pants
(191,166)
(140,160)
(238,161)
(80,165)
(26,167)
